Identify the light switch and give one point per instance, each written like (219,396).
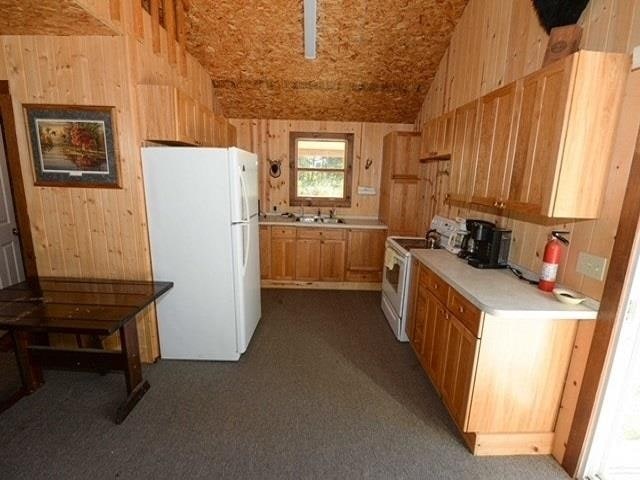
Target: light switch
(636,58)
(362,190)
(591,266)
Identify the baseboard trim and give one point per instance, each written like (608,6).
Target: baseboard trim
(509,443)
(368,286)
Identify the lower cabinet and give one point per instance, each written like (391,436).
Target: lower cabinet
(501,379)
(308,254)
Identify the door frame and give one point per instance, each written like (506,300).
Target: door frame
(16,182)
(610,317)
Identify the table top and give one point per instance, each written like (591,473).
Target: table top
(75,305)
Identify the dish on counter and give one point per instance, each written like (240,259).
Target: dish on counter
(567,296)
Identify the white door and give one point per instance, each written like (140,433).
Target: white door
(11,268)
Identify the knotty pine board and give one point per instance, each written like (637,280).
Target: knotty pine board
(497,42)
(95,232)
(270,140)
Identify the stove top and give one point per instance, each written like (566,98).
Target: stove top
(411,243)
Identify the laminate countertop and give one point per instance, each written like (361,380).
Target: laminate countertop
(497,291)
(349,222)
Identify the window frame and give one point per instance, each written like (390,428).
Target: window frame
(345,200)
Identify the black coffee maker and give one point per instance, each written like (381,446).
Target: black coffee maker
(487,245)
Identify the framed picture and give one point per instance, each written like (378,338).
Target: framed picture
(73,146)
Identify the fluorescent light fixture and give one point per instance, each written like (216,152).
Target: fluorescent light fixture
(310,9)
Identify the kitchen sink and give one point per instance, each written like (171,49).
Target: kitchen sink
(316,219)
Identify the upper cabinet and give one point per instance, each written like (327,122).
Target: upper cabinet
(463,152)
(496,113)
(437,138)
(167,114)
(400,153)
(543,143)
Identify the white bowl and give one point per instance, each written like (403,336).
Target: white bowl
(568,296)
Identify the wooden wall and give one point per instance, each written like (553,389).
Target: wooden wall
(270,140)
(497,42)
(95,232)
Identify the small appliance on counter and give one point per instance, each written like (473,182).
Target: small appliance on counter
(487,245)
(459,236)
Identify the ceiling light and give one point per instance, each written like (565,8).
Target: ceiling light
(310,8)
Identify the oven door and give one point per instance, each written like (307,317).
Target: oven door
(393,279)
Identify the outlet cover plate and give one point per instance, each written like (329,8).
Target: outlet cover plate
(591,266)
(635,65)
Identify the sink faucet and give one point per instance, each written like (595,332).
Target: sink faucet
(332,212)
(319,213)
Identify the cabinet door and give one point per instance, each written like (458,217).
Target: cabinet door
(458,370)
(494,152)
(429,139)
(365,250)
(420,312)
(537,145)
(308,260)
(332,254)
(405,207)
(265,251)
(445,134)
(186,118)
(439,318)
(462,155)
(283,258)
(402,149)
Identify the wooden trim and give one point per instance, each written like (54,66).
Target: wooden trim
(181,35)
(368,286)
(155,25)
(7,123)
(345,201)
(611,313)
(138,22)
(509,443)
(170,23)
(114,10)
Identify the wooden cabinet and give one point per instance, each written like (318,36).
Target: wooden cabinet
(501,379)
(307,259)
(543,143)
(401,189)
(437,137)
(283,253)
(365,254)
(458,369)
(568,115)
(332,260)
(169,115)
(265,251)
(462,167)
(496,113)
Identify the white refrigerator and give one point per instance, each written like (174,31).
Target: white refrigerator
(202,210)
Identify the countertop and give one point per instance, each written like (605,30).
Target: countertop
(499,292)
(349,222)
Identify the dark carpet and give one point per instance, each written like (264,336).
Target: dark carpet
(324,391)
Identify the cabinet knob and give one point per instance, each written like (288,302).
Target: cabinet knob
(461,309)
(502,204)
(495,204)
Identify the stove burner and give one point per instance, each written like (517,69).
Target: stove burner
(412,243)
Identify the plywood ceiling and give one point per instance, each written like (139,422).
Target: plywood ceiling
(376,59)
(38,17)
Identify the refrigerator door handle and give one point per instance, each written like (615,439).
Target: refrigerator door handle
(245,259)
(245,198)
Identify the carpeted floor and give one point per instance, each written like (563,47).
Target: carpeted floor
(324,391)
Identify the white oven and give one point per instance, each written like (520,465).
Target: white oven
(395,283)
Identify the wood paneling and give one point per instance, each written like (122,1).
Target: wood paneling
(94,232)
(497,42)
(270,140)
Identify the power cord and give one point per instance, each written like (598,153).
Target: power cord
(521,276)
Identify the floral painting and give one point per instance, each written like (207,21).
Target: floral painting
(72,145)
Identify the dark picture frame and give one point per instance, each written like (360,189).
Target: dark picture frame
(73,146)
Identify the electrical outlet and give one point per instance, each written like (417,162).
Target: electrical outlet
(636,58)
(591,266)
(362,190)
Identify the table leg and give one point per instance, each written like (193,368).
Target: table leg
(30,371)
(136,385)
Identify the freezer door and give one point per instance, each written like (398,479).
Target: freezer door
(243,173)
(246,246)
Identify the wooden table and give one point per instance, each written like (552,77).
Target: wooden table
(82,307)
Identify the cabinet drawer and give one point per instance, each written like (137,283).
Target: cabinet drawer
(333,234)
(283,232)
(467,313)
(309,233)
(438,287)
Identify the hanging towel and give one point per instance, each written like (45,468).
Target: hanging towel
(389,259)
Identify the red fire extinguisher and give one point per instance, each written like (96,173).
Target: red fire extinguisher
(551,260)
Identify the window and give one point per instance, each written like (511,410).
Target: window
(321,169)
